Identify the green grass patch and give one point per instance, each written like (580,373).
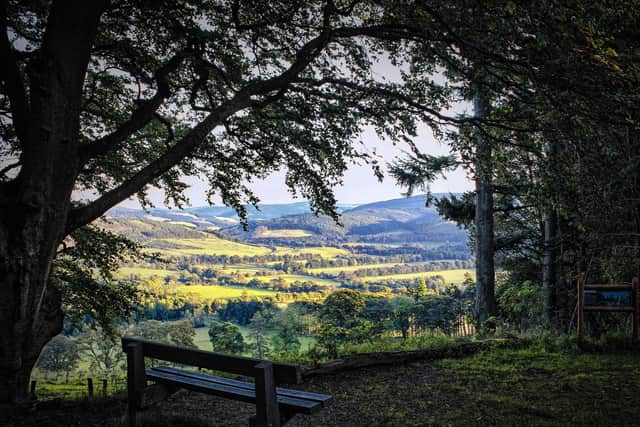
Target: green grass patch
(146,273)
(291,233)
(212,292)
(291,278)
(542,386)
(212,245)
(450,276)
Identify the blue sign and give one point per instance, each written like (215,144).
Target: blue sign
(608,298)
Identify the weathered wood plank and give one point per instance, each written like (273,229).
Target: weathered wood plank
(230,392)
(284,373)
(363,360)
(298,394)
(606,308)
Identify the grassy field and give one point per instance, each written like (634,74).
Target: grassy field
(283,233)
(212,245)
(146,273)
(323,251)
(224,292)
(450,276)
(203,343)
(350,268)
(290,278)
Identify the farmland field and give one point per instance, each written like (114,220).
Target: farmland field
(223,292)
(450,276)
(282,233)
(212,245)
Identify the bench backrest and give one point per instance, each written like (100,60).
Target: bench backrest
(284,373)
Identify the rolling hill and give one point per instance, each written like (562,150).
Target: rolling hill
(393,222)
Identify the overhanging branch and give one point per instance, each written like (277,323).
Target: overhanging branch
(140,117)
(11,78)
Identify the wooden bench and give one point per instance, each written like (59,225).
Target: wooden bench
(274,405)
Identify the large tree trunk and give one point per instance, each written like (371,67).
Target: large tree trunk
(485,270)
(34,206)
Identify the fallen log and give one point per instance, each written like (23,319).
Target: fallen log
(362,360)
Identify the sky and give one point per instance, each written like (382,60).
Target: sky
(359,184)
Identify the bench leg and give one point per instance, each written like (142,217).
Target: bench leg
(136,381)
(267,409)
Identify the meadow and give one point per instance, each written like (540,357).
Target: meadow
(212,292)
(456,276)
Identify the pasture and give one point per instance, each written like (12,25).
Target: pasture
(450,276)
(211,292)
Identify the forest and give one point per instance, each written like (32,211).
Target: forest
(108,101)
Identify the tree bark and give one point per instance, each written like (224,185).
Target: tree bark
(485,270)
(35,205)
(548,266)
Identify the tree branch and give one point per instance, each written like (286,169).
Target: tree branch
(139,118)
(11,78)
(243,99)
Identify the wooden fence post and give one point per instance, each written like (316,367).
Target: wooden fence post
(580,307)
(33,388)
(635,286)
(267,410)
(104,388)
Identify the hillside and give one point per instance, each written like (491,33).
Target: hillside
(399,221)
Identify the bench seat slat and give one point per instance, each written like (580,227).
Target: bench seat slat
(229,391)
(317,397)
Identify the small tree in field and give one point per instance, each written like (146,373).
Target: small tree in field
(61,354)
(226,337)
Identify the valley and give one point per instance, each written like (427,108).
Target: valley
(289,254)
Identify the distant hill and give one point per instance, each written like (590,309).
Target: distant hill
(397,221)
(405,220)
(219,216)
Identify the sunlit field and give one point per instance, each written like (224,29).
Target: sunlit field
(450,276)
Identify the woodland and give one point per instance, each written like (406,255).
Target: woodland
(101,101)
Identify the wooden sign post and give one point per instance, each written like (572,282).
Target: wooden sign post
(609,298)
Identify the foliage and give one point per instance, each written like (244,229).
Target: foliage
(84,272)
(288,329)
(61,354)
(178,333)
(520,304)
(104,351)
(261,321)
(226,337)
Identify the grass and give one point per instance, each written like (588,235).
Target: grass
(202,338)
(322,251)
(183,223)
(533,383)
(350,268)
(212,245)
(211,292)
(146,273)
(283,233)
(290,278)
(537,386)
(450,276)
